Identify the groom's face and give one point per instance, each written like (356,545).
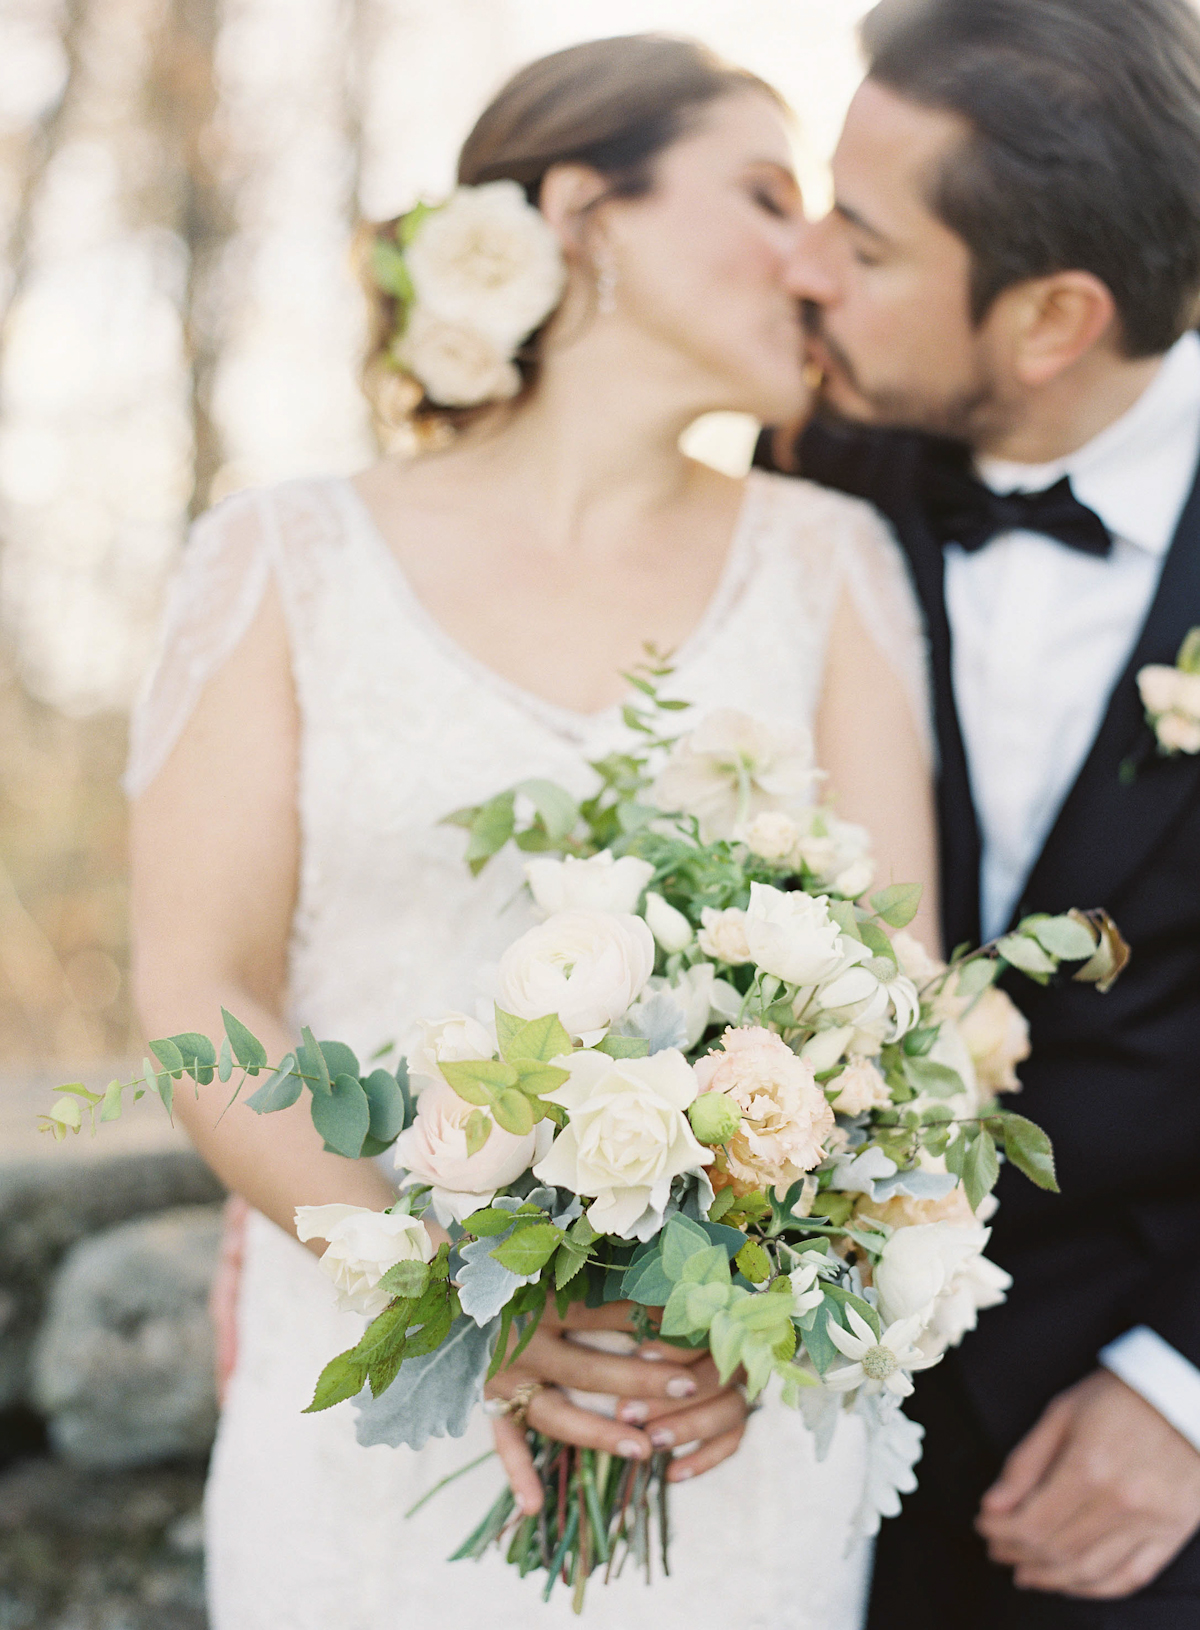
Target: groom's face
(886,286)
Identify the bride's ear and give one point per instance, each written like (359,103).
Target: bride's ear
(568,195)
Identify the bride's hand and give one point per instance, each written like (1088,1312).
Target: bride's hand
(673,1393)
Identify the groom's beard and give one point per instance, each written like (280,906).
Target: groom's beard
(973,414)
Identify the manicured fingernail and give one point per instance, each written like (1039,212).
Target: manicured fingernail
(631,1449)
(650,1354)
(680,1386)
(662,1437)
(635,1412)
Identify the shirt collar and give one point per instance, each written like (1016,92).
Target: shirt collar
(1137,473)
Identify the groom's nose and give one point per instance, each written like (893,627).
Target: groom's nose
(807,273)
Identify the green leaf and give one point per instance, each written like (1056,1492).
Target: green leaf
(532,1040)
(623,1046)
(247,1049)
(681,1238)
(1029,1148)
(707,1267)
(923,1075)
(278,1091)
(386,1105)
(897,905)
(310,1061)
(513,1112)
(390,272)
(490,1220)
(339,1060)
(169,1056)
(976,976)
(726,1338)
(690,1308)
(479,1080)
(568,1262)
(1064,938)
(723,1200)
(343,1377)
(490,830)
(918,1042)
(407,1279)
(980,1168)
(644,1280)
(843,1298)
(557,809)
(224,1060)
(874,937)
(342,1116)
(536,1080)
(198,1054)
(1025,954)
(529,1249)
(111,1107)
(754,1262)
(478,1130)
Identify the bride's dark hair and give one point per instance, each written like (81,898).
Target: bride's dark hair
(614,105)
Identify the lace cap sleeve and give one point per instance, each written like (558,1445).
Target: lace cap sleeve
(211,601)
(876,576)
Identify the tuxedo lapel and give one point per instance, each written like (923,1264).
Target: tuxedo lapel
(1110,823)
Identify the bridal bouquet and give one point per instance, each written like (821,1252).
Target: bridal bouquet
(718,1081)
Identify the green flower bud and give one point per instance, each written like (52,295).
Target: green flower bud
(714,1117)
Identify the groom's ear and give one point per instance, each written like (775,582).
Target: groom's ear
(1048,323)
(569,194)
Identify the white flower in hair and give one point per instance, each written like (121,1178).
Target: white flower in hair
(457,365)
(489,261)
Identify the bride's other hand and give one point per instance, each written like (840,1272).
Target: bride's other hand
(673,1391)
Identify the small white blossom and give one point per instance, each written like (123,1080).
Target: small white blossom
(670,927)
(723,935)
(732,767)
(883,1362)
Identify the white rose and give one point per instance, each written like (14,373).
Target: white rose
(921,1263)
(446,1040)
(628,1137)
(434,1150)
(490,261)
(458,366)
(859,1086)
(600,883)
(978,1283)
(363,1245)
(589,967)
(772,835)
(855,880)
(732,767)
(723,935)
(670,927)
(1178,733)
(1159,687)
(792,934)
(829,846)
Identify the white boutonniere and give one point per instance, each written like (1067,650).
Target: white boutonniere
(1171,697)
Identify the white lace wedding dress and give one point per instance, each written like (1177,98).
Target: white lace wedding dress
(305,1529)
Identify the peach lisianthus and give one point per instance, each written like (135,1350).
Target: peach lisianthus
(785,1119)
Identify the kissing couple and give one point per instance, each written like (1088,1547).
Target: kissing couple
(974,521)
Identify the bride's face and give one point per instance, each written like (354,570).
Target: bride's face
(701,261)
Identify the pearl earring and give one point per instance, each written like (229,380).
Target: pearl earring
(606,287)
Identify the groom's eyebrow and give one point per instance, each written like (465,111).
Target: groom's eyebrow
(854,219)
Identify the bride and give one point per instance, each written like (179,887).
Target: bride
(347,661)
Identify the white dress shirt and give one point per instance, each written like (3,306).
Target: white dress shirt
(1041,634)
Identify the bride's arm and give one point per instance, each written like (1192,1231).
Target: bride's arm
(215,854)
(876,754)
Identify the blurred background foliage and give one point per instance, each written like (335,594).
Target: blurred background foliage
(178,184)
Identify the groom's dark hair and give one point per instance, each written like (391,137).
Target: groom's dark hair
(1084,144)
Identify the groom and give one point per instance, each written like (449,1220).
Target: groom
(1001,303)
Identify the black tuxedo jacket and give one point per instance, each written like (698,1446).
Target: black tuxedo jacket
(1115,1079)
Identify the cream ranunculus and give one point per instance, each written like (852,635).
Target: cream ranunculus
(434,1150)
(792,935)
(996,1034)
(600,883)
(458,366)
(785,1119)
(363,1245)
(488,260)
(589,967)
(977,1284)
(859,1086)
(771,835)
(723,935)
(627,1139)
(456,1036)
(732,767)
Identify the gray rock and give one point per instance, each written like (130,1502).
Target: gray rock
(123,1363)
(47,1206)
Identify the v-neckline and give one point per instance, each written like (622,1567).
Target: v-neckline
(557,714)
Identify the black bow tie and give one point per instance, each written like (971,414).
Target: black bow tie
(963,510)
